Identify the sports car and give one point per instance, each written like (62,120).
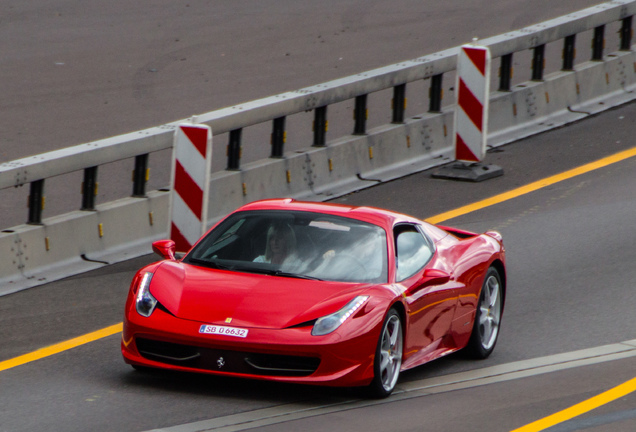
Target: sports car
(317,293)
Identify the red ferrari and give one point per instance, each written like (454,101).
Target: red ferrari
(317,293)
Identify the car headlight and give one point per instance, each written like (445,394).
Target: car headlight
(145,302)
(329,323)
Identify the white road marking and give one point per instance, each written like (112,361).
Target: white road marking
(413,389)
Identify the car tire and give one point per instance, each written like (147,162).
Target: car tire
(487,317)
(388,356)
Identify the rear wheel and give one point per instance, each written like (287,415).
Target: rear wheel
(487,317)
(388,356)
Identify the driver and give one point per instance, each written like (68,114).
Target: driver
(280,246)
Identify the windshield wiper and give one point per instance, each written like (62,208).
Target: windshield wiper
(293,275)
(276,273)
(270,272)
(211,264)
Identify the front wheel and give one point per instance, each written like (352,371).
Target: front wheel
(388,356)
(487,317)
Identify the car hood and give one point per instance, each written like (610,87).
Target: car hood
(250,300)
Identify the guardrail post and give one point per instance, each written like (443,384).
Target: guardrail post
(278,137)
(140,176)
(320,126)
(626,34)
(598,43)
(435,94)
(538,63)
(36,202)
(569,52)
(234,150)
(360,115)
(505,72)
(89,188)
(399,103)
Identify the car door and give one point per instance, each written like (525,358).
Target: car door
(430,292)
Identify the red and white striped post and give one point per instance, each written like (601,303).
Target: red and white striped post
(471,117)
(190,180)
(471,114)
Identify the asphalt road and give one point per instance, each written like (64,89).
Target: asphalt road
(571,245)
(571,248)
(71,74)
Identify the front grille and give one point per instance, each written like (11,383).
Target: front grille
(226,360)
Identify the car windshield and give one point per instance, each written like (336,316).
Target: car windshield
(296,244)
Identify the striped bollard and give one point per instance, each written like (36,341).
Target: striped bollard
(471,113)
(190,180)
(471,117)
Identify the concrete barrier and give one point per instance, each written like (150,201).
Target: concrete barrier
(563,97)
(116,231)
(123,229)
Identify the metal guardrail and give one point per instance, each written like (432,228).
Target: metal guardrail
(35,170)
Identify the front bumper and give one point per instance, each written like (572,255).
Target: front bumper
(289,355)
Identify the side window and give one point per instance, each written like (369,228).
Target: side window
(413,251)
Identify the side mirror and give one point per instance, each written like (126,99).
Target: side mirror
(430,277)
(164,248)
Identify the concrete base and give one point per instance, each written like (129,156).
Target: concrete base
(473,172)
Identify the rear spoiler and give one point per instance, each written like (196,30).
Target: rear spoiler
(457,232)
(467,234)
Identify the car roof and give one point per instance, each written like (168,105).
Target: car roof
(376,216)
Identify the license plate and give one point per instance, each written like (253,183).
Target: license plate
(222,330)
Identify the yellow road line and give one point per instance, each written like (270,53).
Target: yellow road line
(109,331)
(581,408)
(62,346)
(626,154)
